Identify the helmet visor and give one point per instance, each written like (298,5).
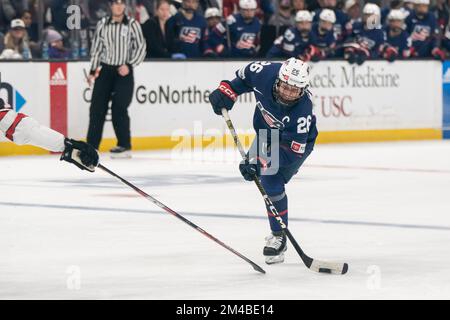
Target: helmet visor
(288,93)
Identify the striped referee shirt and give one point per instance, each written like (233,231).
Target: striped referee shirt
(117,43)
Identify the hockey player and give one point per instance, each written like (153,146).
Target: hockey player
(186,32)
(24,130)
(295,40)
(244,29)
(284,107)
(341,19)
(216,43)
(323,40)
(367,37)
(398,44)
(423,29)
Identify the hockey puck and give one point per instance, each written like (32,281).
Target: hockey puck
(324,270)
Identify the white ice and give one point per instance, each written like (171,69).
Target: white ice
(381,207)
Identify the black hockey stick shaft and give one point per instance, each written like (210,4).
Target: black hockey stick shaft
(177,215)
(308,261)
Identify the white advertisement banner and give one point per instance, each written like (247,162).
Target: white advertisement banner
(25,86)
(171,98)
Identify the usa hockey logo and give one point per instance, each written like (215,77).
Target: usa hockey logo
(420,33)
(271,121)
(366,42)
(190,34)
(247,41)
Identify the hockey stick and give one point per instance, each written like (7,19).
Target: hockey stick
(175,214)
(313,264)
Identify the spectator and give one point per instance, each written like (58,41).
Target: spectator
(186,31)
(446,40)
(342,19)
(217,40)
(154,30)
(16,42)
(422,26)
(206,4)
(283,18)
(32,32)
(397,39)
(56,46)
(244,29)
(9,10)
(298,5)
(442,11)
(97,10)
(295,40)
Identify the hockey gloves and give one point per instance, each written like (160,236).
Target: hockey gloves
(250,169)
(438,54)
(390,53)
(81,154)
(223,97)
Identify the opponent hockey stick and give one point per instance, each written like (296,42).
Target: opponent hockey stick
(193,225)
(312,264)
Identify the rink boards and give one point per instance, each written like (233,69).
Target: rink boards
(378,101)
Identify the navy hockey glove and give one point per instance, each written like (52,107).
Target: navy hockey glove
(223,97)
(250,169)
(81,154)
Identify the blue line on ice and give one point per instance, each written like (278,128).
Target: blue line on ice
(228,216)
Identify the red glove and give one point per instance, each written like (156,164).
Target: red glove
(438,54)
(390,53)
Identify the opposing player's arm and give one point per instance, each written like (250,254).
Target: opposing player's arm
(24,130)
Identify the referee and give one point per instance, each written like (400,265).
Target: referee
(118,46)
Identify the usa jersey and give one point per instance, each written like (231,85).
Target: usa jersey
(186,36)
(402,42)
(326,41)
(370,39)
(423,32)
(217,39)
(244,36)
(291,44)
(339,26)
(296,125)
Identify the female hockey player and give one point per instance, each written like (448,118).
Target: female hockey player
(283,115)
(22,130)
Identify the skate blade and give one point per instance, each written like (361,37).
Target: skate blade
(275,259)
(123,155)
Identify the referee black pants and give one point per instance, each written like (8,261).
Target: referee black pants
(110,85)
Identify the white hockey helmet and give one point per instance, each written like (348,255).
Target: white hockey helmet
(427,2)
(248,4)
(396,14)
(303,15)
(212,12)
(328,15)
(294,72)
(371,9)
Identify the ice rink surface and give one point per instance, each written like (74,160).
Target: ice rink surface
(384,208)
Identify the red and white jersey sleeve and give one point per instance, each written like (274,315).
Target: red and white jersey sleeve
(23,130)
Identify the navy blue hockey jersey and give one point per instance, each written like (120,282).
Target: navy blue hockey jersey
(186,36)
(401,43)
(244,36)
(423,32)
(370,39)
(326,41)
(290,44)
(339,27)
(296,125)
